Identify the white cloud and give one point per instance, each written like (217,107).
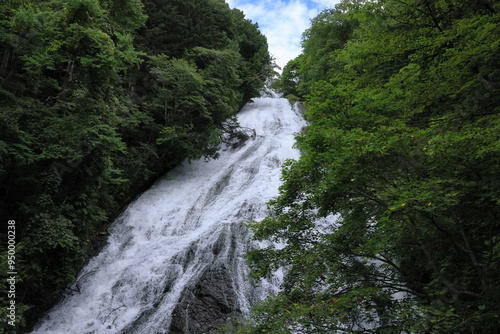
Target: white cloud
(325,3)
(282,22)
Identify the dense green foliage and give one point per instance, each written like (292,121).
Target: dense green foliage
(329,31)
(389,219)
(98,98)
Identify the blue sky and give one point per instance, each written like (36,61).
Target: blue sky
(283,22)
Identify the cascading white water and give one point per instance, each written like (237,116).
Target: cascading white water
(179,246)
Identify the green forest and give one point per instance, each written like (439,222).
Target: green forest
(97,99)
(389,221)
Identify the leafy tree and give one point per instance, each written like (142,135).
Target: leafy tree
(179,95)
(252,46)
(328,33)
(389,218)
(203,23)
(290,78)
(97,99)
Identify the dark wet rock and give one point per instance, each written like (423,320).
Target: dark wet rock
(238,136)
(210,304)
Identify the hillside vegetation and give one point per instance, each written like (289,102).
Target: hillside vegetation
(390,216)
(97,99)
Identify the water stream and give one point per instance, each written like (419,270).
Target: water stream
(173,262)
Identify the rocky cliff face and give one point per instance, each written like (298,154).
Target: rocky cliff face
(210,304)
(213,300)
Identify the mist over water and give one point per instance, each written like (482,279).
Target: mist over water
(179,246)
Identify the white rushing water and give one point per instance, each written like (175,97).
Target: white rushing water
(187,225)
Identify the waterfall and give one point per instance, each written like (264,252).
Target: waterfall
(174,258)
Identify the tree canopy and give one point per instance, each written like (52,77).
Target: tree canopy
(97,99)
(389,220)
